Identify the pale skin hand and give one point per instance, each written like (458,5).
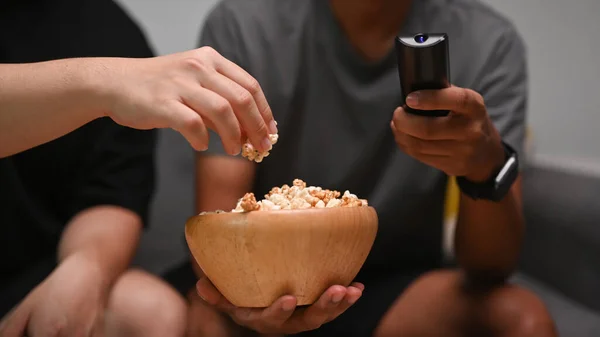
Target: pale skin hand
(95,249)
(70,302)
(188,92)
(283,317)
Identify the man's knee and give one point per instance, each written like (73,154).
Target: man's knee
(442,302)
(514,311)
(501,310)
(143,305)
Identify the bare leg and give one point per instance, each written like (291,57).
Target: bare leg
(440,304)
(142,304)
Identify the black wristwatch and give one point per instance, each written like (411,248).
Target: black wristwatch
(499,183)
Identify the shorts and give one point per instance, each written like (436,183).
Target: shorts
(360,320)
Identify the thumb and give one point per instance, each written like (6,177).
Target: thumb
(211,295)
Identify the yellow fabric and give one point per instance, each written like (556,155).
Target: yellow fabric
(452,199)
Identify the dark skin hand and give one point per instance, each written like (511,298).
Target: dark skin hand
(464,143)
(283,316)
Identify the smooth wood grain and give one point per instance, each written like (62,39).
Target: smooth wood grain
(254,258)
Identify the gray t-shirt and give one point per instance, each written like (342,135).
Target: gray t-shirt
(333,108)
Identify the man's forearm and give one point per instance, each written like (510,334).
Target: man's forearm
(231,177)
(489,235)
(106,236)
(40,102)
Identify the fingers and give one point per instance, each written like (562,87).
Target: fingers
(283,316)
(239,75)
(458,100)
(325,307)
(244,106)
(271,319)
(415,146)
(358,285)
(329,306)
(211,295)
(218,111)
(278,313)
(191,126)
(439,128)
(353,293)
(249,83)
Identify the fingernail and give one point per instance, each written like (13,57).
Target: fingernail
(203,147)
(235,151)
(273,127)
(266,144)
(337,298)
(413,99)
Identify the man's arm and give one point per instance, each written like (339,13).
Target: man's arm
(106,237)
(489,234)
(220,182)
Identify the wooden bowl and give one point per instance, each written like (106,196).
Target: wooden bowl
(256,257)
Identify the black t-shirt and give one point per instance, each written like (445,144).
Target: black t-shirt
(101,163)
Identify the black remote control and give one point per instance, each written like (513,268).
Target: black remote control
(423,63)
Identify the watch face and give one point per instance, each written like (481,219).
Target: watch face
(507,169)
(507,175)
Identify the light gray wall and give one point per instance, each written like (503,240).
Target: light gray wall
(564,62)
(171,25)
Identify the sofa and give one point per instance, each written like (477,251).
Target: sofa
(560,259)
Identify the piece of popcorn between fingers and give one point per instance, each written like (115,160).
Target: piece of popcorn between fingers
(249,152)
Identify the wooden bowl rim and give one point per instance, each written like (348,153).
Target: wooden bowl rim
(284,212)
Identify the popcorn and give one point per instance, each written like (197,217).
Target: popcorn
(248,151)
(298,196)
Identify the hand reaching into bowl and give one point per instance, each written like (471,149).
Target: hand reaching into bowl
(188,92)
(283,316)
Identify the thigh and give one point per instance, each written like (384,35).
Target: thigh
(361,320)
(440,303)
(141,304)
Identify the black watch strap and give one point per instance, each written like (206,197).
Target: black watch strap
(495,188)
